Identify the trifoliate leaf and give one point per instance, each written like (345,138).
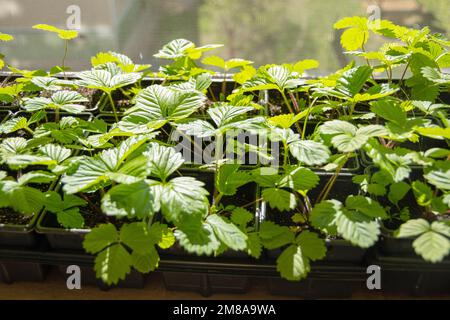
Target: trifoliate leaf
(279,199)
(274,236)
(228,233)
(113,264)
(100,238)
(292,263)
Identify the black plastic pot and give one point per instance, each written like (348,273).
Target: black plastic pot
(13,271)
(134,279)
(207,283)
(406,274)
(58,237)
(204,283)
(403,271)
(338,275)
(19,235)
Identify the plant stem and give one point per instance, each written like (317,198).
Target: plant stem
(329,185)
(288,105)
(29,130)
(306,118)
(404,72)
(224,83)
(111,101)
(285,156)
(286,101)
(66,45)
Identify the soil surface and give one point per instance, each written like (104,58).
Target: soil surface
(10,217)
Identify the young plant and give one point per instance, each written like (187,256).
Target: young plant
(226,66)
(66,35)
(108,79)
(184,54)
(4,37)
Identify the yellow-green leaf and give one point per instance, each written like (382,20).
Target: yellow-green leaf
(357,33)
(6,37)
(434,132)
(62,33)
(303,65)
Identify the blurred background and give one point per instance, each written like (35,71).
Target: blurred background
(265,31)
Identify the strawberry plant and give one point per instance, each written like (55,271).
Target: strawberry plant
(345,157)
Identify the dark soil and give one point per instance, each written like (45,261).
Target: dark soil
(10,217)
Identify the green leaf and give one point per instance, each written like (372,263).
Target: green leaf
(299,179)
(106,81)
(228,233)
(442,227)
(413,228)
(423,193)
(181,198)
(365,205)
(26,200)
(225,65)
(136,236)
(6,37)
(312,246)
(55,152)
(434,75)
(389,110)
(352,81)
(13,125)
(398,191)
(241,216)
(356,229)
(274,236)
(70,218)
(223,115)
(156,105)
(254,246)
(113,264)
(279,199)
(323,215)
(229,179)
(63,34)
(36,177)
(357,33)
(348,138)
(434,132)
(301,66)
(432,246)
(133,200)
(100,237)
(292,263)
(309,152)
(202,241)
(162,161)
(93,173)
(439,178)
(180,48)
(147,262)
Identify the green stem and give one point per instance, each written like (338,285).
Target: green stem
(324,194)
(57,115)
(288,105)
(66,45)
(286,152)
(352,109)
(224,83)
(306,118)
(111,101)
(286,101)
(29,130)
